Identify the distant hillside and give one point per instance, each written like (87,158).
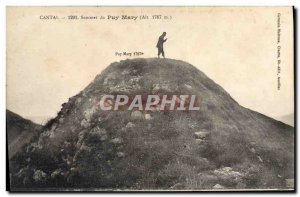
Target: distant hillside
(221,146)
(288,119)
(19,131)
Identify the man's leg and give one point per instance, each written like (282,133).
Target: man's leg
(162,52)
(159,52)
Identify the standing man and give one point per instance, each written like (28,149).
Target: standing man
(160,44)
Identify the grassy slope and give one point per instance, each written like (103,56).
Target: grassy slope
(158,153)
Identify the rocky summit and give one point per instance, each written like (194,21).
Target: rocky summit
(221,146)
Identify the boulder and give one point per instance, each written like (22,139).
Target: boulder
(120,154)
(100,133)
(78,101)
(61,120)
(201,134)
(85,124)
(218,186)
(199,141)
(188,86)
(137,115)
(228,175)
(130,125)
(39,176)
(177,186)
(85,147)
(162,87)
(252,150)
(88,114)
(260,159)
(56,173)
(117,140)
(148,117)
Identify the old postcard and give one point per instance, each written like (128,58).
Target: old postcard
(150,99)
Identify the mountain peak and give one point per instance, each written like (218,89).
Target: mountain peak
(222,144)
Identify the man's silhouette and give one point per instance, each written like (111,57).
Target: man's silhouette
(160,44)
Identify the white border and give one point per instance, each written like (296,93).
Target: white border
(4,3)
